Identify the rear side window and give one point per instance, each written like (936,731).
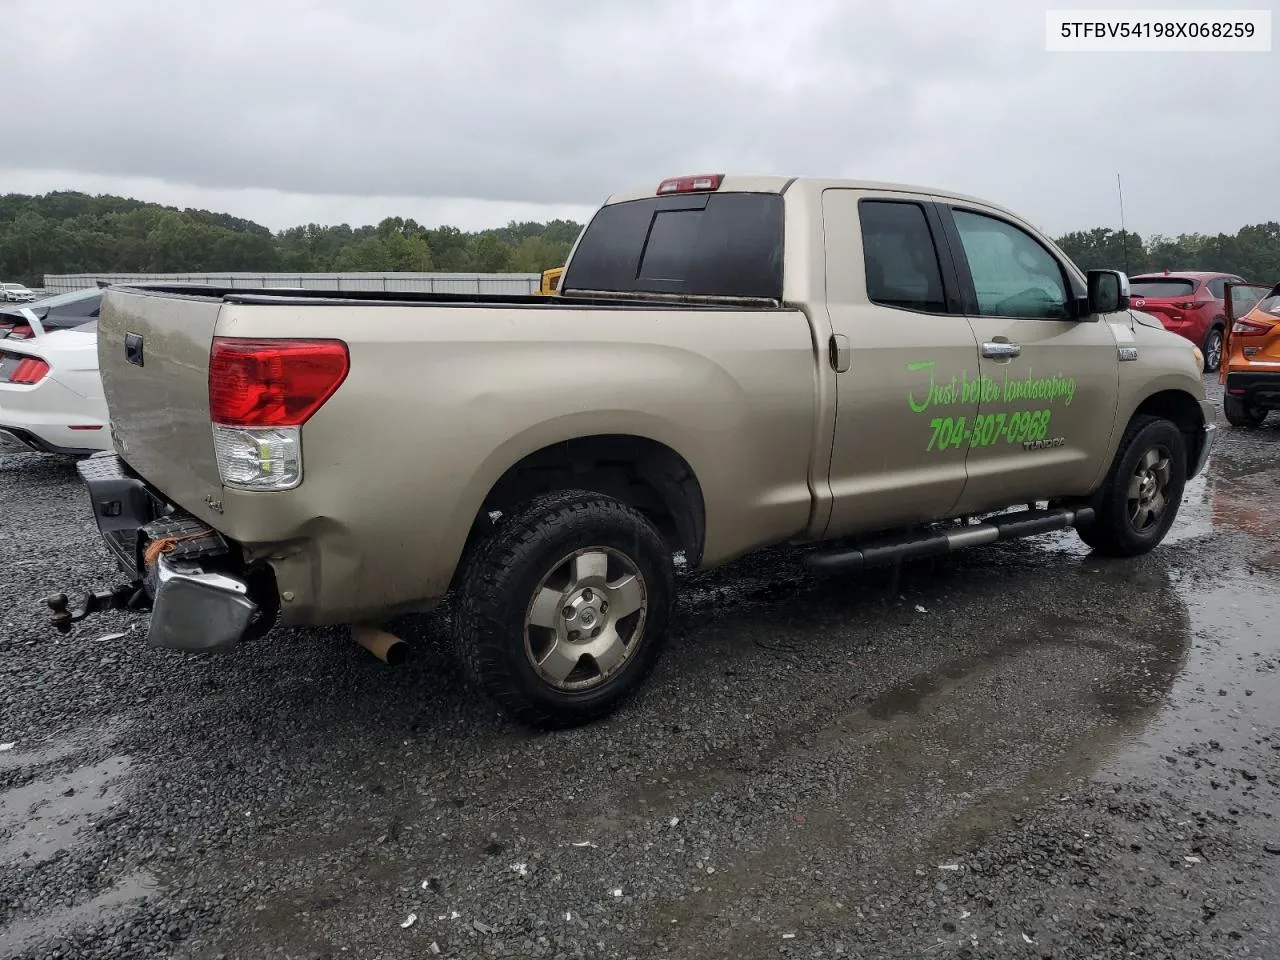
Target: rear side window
(710,245)
(1162,288)
(1270,305)
(1245,299)
(900,256)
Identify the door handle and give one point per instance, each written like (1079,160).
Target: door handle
(841,354)
(1001,349)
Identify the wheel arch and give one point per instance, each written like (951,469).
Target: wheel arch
(1180,408)
(646,473)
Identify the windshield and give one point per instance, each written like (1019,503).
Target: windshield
(57,313)
(1162,287)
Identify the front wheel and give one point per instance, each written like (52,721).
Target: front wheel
(1240,415)
(1213,350)
(1140,497)
(562,610)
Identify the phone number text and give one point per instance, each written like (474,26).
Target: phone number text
(950,433)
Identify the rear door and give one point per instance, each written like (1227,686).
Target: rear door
(1049,381)
(905,358)
(1253,329)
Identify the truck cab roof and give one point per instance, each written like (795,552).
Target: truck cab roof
(752,183)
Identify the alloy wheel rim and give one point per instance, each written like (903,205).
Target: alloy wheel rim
(1148,494)
(586,618)
(1214,353)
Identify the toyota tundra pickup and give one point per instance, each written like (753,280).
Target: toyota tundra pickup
(875,371)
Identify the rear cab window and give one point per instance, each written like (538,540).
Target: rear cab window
(699,245)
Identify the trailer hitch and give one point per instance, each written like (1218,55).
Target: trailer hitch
(129,596)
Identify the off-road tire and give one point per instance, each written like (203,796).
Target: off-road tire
(1239,415)
(497,584)
(1112,531)
(1215,336)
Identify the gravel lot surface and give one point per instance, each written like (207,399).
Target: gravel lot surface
(1019,752)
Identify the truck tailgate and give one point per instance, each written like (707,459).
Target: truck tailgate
(153,352)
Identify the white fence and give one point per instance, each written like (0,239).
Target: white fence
(479,283)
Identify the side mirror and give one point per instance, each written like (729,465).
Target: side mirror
(1108,291)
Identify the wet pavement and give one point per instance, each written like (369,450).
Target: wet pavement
(1020,751)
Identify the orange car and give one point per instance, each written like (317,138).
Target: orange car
(1251,356)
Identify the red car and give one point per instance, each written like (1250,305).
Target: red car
(1189,303)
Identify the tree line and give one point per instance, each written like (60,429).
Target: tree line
(1253,252)
(69,232)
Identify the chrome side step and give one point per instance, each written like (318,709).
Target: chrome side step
(898,548)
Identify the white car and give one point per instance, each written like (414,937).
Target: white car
(51,397)
(15,293)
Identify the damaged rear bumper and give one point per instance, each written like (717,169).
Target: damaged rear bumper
(180,567)
(196,610)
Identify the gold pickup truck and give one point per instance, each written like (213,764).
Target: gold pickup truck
(882,372)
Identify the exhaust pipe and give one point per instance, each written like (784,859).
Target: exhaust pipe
(385,646)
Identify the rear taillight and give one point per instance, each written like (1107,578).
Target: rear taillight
(261,392)
(1185,305)
(1250,328)
(703,181)
(28,372)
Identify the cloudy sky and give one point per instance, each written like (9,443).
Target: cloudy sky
(289,111)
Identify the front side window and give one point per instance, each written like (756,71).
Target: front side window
(900,257)
(1013,275)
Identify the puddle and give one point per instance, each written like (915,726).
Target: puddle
(45,755)
(40,819)
(1195,516)
(1230,685)
(48,752)
(21,934)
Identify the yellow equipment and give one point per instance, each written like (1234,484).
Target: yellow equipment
(550,281)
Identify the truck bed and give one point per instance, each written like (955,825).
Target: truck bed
(300,296)
(444,394)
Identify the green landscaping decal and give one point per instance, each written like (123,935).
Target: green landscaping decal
(1022,426)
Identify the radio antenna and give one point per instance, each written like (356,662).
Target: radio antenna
(1124,243)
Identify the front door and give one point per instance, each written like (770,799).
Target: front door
(1049,379)
(906,362)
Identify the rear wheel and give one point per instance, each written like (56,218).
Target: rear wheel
(563,608)
(1140,497)
(1213,350)
(1240,415)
